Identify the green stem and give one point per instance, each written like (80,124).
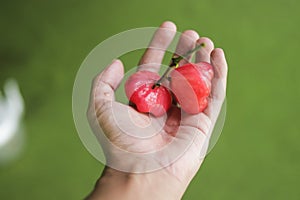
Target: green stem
(174,63)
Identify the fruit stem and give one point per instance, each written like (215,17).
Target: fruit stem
(175,62)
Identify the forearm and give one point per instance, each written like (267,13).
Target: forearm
(119,185)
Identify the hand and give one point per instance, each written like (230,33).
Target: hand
(171,148)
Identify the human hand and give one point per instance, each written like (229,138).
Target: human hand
(166,151)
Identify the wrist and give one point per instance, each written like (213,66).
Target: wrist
(115,184)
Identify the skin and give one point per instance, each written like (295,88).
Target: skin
(169,182)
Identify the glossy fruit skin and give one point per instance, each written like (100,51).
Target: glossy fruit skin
(156,101)
(191,84)
(139,90)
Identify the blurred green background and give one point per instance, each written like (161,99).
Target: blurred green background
(43,43)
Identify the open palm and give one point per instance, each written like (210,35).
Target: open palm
(172,146)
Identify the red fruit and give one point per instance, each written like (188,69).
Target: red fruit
(152,100)
(191,84)
(139,90)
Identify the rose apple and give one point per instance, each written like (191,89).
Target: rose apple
(191,84)
(140,90)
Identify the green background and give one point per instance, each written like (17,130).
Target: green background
(43,43)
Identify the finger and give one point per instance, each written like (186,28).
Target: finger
(219,64)
(203,55)
(218,87)
(154,54)
(187,42)
(108,81)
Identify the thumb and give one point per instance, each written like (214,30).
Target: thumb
(102,95)
(107,82)
(103,87)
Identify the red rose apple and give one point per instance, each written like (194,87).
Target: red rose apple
(141,92)
(191,84)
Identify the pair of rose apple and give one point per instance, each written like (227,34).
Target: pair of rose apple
(189,86)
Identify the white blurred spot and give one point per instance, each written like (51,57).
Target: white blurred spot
(11,113)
